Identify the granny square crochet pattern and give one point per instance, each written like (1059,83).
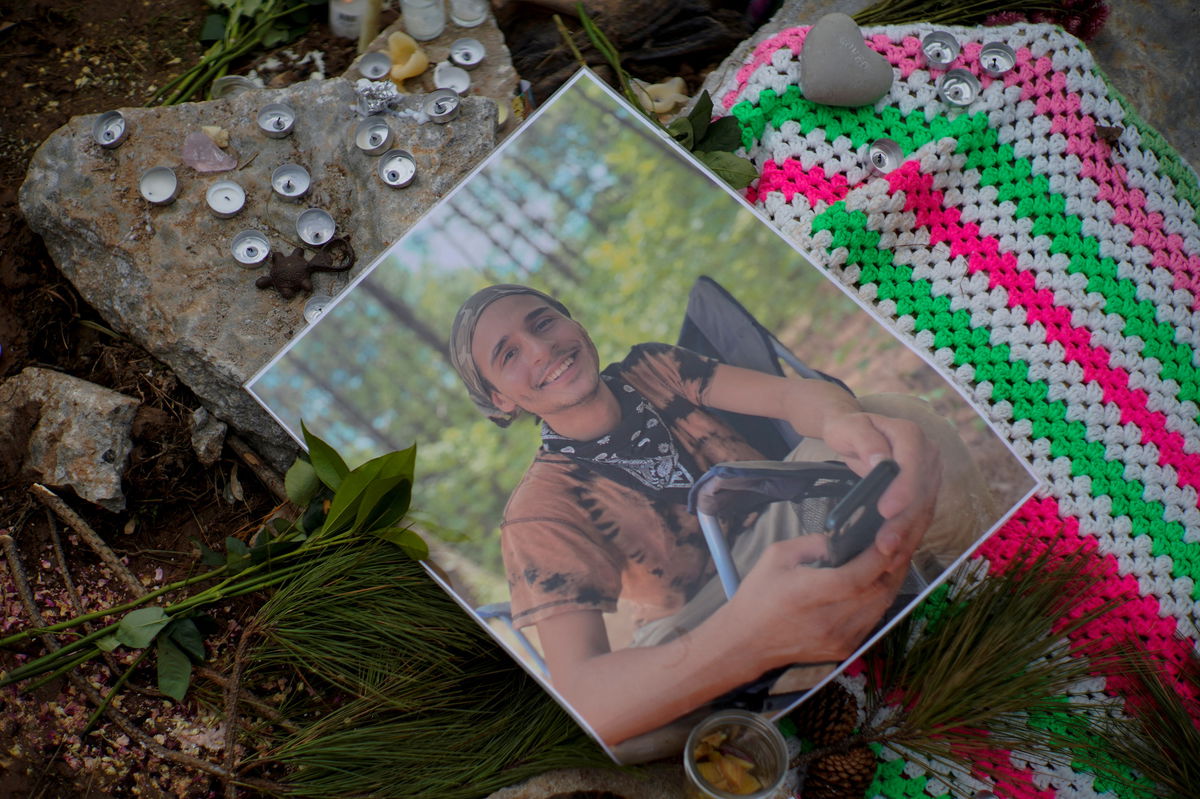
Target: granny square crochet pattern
(1041,245)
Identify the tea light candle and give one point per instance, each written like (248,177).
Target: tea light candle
(448,76)
(375,65)
(373,136)
(250,247)
(939,48)
(315,307)
(315,227)
(275,120)
(442,105)
(225,198)
(159,185)
(996,58)
(109,129)
(231,86)
(466,53)
(884,155)
(958,87)
(397,168)
(290,181)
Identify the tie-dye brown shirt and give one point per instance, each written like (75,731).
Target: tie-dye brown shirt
(578,536)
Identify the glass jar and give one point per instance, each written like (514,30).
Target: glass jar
(747,738)
(468,13)
(423,19)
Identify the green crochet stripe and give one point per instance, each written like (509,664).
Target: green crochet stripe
(890,781)
(1014,180)
(1068,726)
(995,364)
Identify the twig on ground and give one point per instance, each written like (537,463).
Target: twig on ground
(269,477)
(76,523)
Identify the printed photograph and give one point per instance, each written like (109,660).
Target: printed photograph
(661,456)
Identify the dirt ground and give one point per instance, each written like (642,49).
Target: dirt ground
(64,58)
(60,59)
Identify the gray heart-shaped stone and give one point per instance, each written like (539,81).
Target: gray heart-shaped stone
(837,67)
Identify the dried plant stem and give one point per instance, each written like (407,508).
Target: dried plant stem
(76,523)
(268,476)
(18,573)
(566,36)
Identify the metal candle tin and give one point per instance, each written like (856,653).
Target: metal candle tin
(231,86)
(375,65)
(373,136)
(996,58)
(225,198)
(109,129)
(397,168)
(315,227)
(290,181)
(467,53)
(250,247)
(884,155)
(939,49)
(158,185)
(442,105)
(275,120)
(448,76)
(958,87)
(315,307)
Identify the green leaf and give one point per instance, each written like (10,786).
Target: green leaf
(410,542)
(214,28)
(174,670)
(238,554)
(330,467)
(272,549)
(724,135)
(700,115)
(385,501)
(681,131)
(108,643)
(301,482)
(274,36)
(187,636)
(737,172)
(364,488)
(207,556)
(139,627)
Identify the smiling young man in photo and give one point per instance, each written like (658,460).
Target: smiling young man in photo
(601,517)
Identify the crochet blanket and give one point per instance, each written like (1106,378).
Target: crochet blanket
(1052,271)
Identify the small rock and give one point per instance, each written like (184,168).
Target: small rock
(203,155)
(208,436)
(838,68)
(66,432)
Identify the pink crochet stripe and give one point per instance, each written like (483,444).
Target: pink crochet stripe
(791,177)
(1038,527)
(1041,83)
(983,254)
(792,38)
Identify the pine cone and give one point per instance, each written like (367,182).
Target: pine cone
(844,775)
(828,716)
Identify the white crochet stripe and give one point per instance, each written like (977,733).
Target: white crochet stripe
(996,219)
(1083,401)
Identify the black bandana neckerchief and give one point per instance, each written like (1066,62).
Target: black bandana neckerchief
(641,447)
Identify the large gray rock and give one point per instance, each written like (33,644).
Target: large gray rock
(165,277)
(66,432)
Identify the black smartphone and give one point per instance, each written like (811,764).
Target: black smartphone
(855,519)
